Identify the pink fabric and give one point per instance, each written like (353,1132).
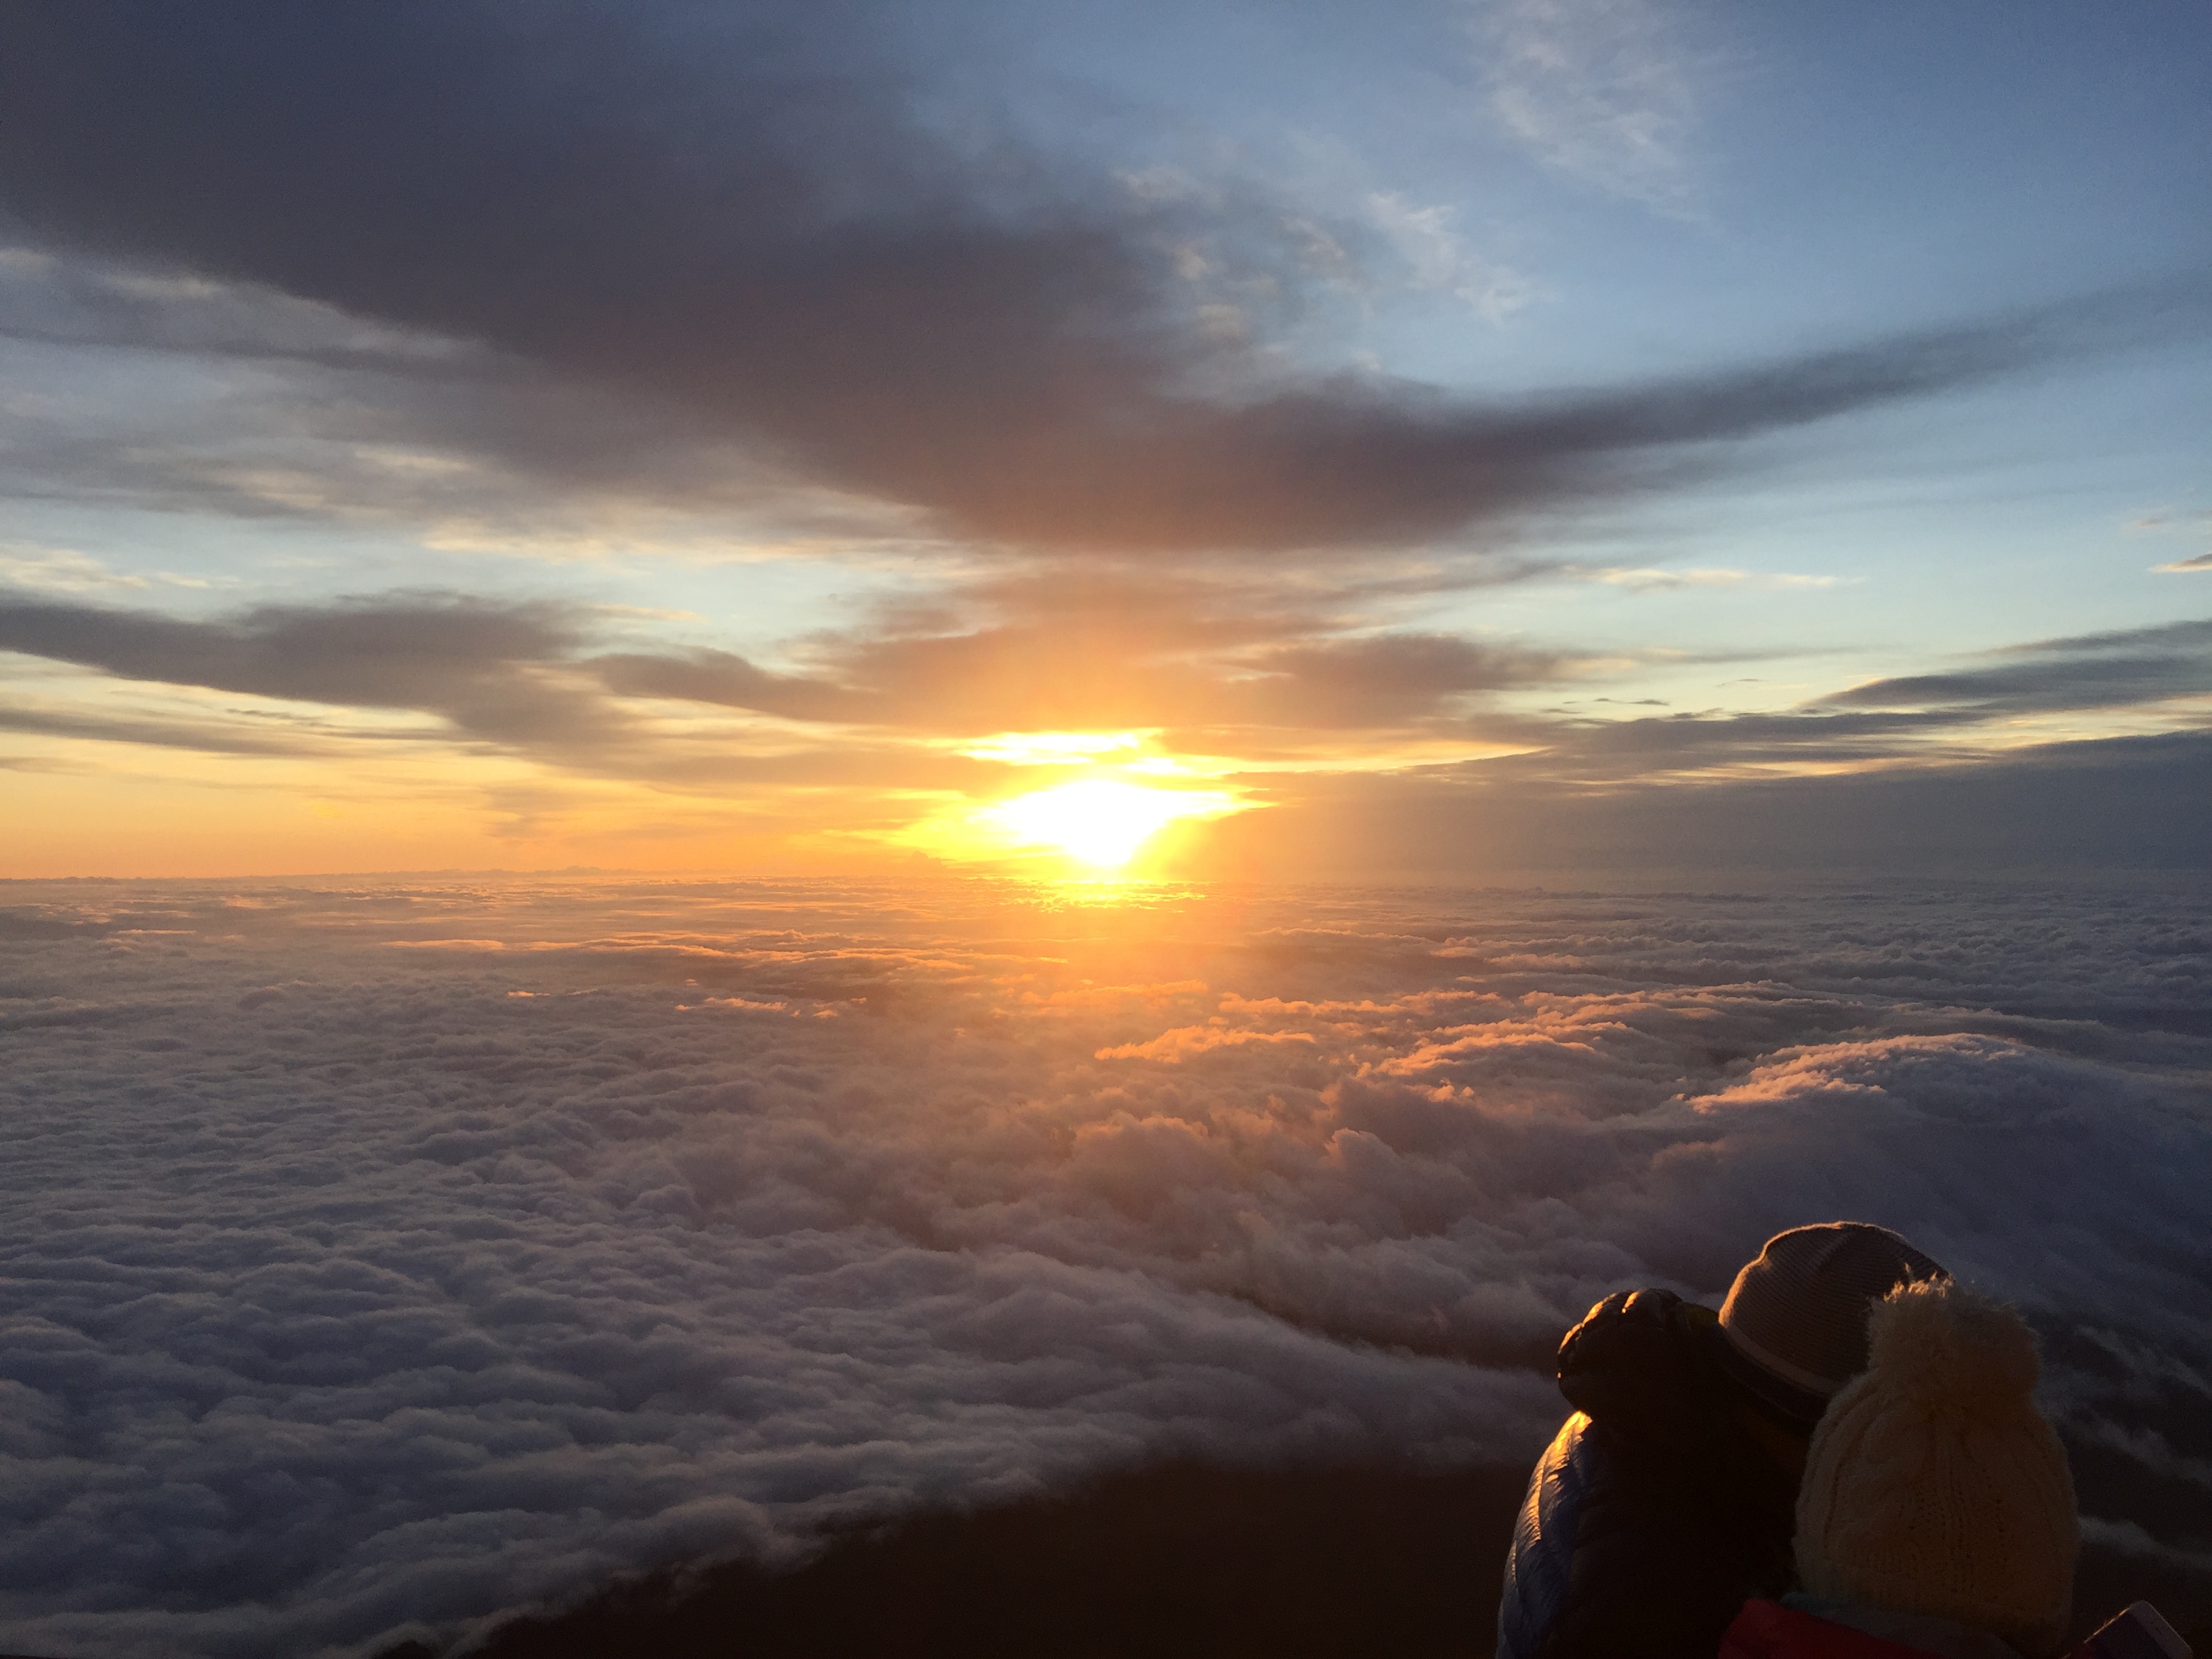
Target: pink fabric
(1767,1629)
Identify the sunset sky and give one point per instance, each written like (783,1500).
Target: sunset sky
(1420,438)
(774,766)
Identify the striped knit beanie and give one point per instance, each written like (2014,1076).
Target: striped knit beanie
(1934,1484)
(1793,1329)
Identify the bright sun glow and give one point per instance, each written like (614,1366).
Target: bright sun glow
(1098,820)
(1054,748)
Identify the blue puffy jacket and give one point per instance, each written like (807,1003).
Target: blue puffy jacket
(1653,1516)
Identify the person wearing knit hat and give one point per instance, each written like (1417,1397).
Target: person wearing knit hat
(1794,1328)
(1937,1511)
(1667,1499)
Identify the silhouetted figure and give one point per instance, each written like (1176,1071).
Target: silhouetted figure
(1936,1512)
(1668,1499)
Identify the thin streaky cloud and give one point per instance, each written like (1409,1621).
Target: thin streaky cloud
(2193,636)
(60,569)
(162,734)
(1649,578)
(2129,668)
(1441,259)
(1608,92)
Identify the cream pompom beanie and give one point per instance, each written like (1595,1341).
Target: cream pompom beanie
(1934,1484)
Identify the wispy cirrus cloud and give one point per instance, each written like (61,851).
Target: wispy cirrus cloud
(2169,521)
(1609,92)
(59,568)
(1441,259)
(205,736)
(66,570)
(1645,579)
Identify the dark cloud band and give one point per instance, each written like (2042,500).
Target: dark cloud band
(741,213)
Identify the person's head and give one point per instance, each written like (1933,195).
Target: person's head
(1794,1328)
(1934,1484)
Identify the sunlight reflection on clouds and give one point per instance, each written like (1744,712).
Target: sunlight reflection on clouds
(410,1253)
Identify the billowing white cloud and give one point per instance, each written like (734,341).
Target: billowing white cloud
(364,1276)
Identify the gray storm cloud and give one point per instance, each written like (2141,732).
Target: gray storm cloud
(386,1257)
(759,216)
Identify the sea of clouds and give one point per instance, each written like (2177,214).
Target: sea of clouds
(380,1256)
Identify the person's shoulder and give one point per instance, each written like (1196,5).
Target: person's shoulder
(1540,1567)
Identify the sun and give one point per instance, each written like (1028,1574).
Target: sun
(1100,821)
(1115,792)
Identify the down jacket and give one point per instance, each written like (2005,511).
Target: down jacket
(1653,1516)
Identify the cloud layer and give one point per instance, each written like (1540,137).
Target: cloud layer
(390,1256)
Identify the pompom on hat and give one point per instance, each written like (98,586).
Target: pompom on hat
(1934,1486)
(1794,1327)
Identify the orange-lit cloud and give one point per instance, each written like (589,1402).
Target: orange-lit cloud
(424,729)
